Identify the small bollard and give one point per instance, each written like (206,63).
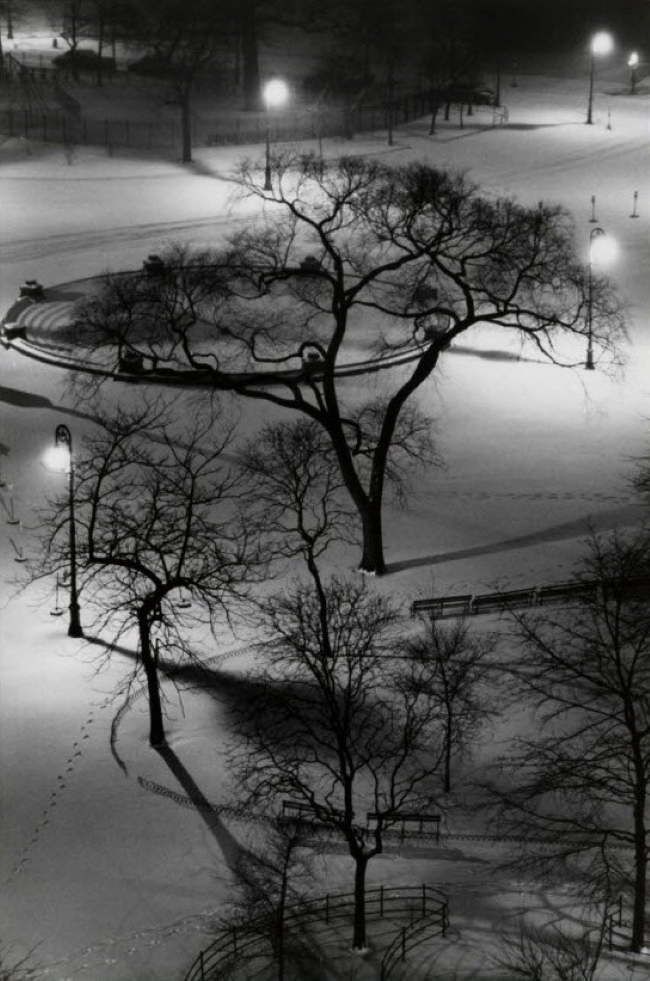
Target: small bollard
(32,289)
(635,213)
(593,208)
(153,265)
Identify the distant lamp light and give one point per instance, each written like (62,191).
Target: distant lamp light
(60,458)
(633,64)
(57,459)
(602,251)
(601,44)
(275,93)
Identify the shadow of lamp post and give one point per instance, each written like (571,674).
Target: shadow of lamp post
(601,44)
(275,94)
(61,459)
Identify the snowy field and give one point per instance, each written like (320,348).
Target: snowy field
(104,879)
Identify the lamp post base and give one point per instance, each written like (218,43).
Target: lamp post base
(75,629)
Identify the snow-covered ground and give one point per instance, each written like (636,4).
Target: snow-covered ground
(107,879)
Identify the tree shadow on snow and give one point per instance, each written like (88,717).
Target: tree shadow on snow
(230,847)
(494,355)
(629,514)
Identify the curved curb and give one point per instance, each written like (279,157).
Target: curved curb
(12,337)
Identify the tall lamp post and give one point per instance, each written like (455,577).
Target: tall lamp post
(601,44)
(633,64)
(601,250)
(61,458)
(275,94)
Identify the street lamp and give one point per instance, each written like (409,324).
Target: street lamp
(601,44)
(61,458)
(633,63)
(275,93)
(602,249)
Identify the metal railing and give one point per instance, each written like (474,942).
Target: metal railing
(467,604)
(305,122)
(432,922)
(250,937)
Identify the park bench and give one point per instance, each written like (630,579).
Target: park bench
(514,598)
(296,810)
(449,606)
(415,823)
(563,591)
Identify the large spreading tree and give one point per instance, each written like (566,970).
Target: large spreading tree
(363,261)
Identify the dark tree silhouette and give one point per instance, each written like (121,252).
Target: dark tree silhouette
(273,875)
(161,544)
(334,724)
(451,671)
(299,504)
(583,782)
(367,260)
(182,38)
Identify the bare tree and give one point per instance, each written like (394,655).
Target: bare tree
(333,725)
(449,55)
(272,876)
(23,969)
(451,671)
(300,505)
(551,954)
(160,541)
(182,37)
(641,478)
(402,262)
(74,18)
(582,784)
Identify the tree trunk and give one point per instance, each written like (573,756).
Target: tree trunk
(372,558)
(281,908)
(186,124)
(434,117)
(100,51)
(447,765)
(359,939)
(640,871)
(156,723)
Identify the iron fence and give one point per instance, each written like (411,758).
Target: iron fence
(254,935)
(68,125)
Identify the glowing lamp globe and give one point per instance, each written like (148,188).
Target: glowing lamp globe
(57,459)
(603,250)
(276,92)
(602,43)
